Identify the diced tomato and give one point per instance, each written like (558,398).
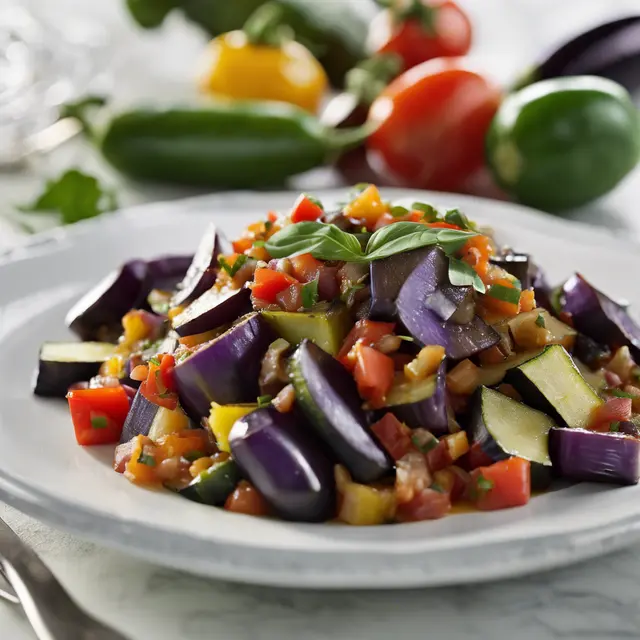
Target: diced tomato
(394,436)
(427,504)
(374,373)
(476,253)
(267,283)
(453,480)
(141,467)
(246,499)
(305,267)
(439,457)
(614,410)
(476,457)
(154,389)
(386,219)
(443,225)
(242,244)
(98,414)
(367,332)
(306,210)
(502,485)
(167,367)
(272,216)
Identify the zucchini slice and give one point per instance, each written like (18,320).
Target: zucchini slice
(552,383)
(213,485)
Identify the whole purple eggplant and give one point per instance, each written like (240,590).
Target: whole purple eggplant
(589,456)
(611,50)
(282,459)
(226,369)
(597,316)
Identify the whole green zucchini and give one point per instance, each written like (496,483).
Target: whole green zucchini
(334,31)
(222,146)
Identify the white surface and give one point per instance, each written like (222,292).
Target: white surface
(599,599)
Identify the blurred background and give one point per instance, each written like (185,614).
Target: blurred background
(451,125)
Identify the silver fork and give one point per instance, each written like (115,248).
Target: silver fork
(48,607)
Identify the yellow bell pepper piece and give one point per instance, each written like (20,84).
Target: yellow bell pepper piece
(223,417)
(365,506)
(260,63)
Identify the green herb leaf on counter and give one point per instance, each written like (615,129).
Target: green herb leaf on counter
(462,275)
(75,196)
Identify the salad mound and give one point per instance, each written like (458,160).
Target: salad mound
(374,364)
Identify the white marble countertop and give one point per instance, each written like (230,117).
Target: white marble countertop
(599,599)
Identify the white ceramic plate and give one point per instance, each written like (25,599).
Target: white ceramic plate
(44,473)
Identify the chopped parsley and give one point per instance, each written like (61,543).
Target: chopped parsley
(155,361)
(399,212)
(145,458)
(504,293)
(267,226)
(422,445)
(309,293)
(406,338)
(484,484)
(436,487)
(99,422)
(614,426)
(264,401)
(540,321)
(237,264)
(621,394)
(259,243)
(429,212)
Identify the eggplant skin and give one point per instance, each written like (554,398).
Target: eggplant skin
(53,379)
(139,419)
(590,456)
(327,395)
(226,369)
(597,316)
(282,459)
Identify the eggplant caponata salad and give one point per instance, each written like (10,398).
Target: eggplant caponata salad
(373,364)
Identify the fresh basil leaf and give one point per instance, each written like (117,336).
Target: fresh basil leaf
(310,294)
(399,212)
(399,237)
(258,243)
(322,241)
(430,213)
(235,267)
(504,294)
(462,275)
(455,216)
(452,240)
(75,196)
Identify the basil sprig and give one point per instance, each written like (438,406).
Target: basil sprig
(328,242)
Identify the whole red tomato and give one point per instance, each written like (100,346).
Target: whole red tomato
(418,31)
(431,125)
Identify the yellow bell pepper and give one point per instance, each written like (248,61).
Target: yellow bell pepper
(223,417)
(363,505)
(262,62)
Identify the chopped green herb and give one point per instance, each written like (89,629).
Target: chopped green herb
(364,230)
(505,294)
(155,361)
(430,213)
(614,426)
(406,338)
(232,269)
(399,212)
(422,445)
(455,216)
(621,394)
(463,275)
(309,293)
(540,321)
(635,372)
(314,200)
(166,394)
(182,356)
(436,487)
(75,196)
(258,243)
(484,484)
(192,456)
(351,291)
(99,422)
(145,458)
(264,401)
(267,225)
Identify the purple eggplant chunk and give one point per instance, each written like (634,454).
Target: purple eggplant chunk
(599,317)
(387,277)
(139,419)
(226,369)
(459,340)
(165,273)
(327,395)
(430,412)
(283,460)
(97,315)
(517,264)
(589,456)
(452,304)
(201,273)
(212,310)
